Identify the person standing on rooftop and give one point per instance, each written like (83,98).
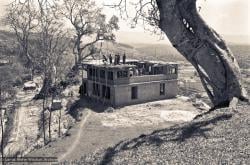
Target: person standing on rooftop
(110,59)
(124,58)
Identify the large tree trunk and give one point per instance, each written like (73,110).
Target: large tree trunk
(2,127)
(2,137)
(203,48)
(50,115)
(44,120)
(59,123)
(45,90)
(79,51)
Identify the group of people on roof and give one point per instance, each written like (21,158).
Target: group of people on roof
(117,59)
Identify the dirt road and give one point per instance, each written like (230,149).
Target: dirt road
(101,130)
(25,127)
(77,138)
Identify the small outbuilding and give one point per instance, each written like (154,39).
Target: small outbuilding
(56,105)
(30,85)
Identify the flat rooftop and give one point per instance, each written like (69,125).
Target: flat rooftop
(100,63)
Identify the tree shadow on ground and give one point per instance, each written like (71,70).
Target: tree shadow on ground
(84,103)
(176,134)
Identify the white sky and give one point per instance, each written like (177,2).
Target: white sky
(231,17)
(228,17)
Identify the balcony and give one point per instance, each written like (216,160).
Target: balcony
(135,79)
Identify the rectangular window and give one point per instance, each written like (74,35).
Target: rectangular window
(134,93)
(169,71)
(172,70)
(102,74)
(161,70)
(94,72)
(119,74)
(122,74)
(96,89)
(110,75)
(162,88)
(105,92)
(175,70)
(158,70)
(90,72)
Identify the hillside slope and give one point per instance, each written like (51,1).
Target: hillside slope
(221,137)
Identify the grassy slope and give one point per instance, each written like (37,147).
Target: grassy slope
(218,138)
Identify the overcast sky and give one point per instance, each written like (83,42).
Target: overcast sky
(228,17)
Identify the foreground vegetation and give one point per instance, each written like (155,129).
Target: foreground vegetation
(221,137)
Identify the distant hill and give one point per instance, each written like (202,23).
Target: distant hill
(138,49)
(7,43)
(169,53)
(159,52)
(148,38)
(150,47)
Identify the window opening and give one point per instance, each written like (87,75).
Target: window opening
(96,90)
(110,75)
(162,88)
(134,93)
(106,92)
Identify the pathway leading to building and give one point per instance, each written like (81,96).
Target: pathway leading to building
(77,138)
(97,131)
(25,126)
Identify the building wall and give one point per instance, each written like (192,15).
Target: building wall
(149,91)
(167,75)
(150,78)
(100,98)
(121,88)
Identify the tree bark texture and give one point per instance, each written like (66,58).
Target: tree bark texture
(2,138)
(59,124)
(203,48)
(45,90)
(43,118)
(50,115)
(2,128)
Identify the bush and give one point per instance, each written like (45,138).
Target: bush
(27,77)
(18,82)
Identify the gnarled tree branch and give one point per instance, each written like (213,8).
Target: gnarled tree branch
(199,44)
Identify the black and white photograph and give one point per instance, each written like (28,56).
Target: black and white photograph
(124,82)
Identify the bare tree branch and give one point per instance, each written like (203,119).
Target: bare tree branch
(88,22)
(22,18)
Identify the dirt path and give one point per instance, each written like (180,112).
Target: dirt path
(25,126)
(77,138)
(102,130)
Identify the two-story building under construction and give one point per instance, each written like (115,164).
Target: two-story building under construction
(131,82)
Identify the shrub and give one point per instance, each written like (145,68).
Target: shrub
(18,82)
